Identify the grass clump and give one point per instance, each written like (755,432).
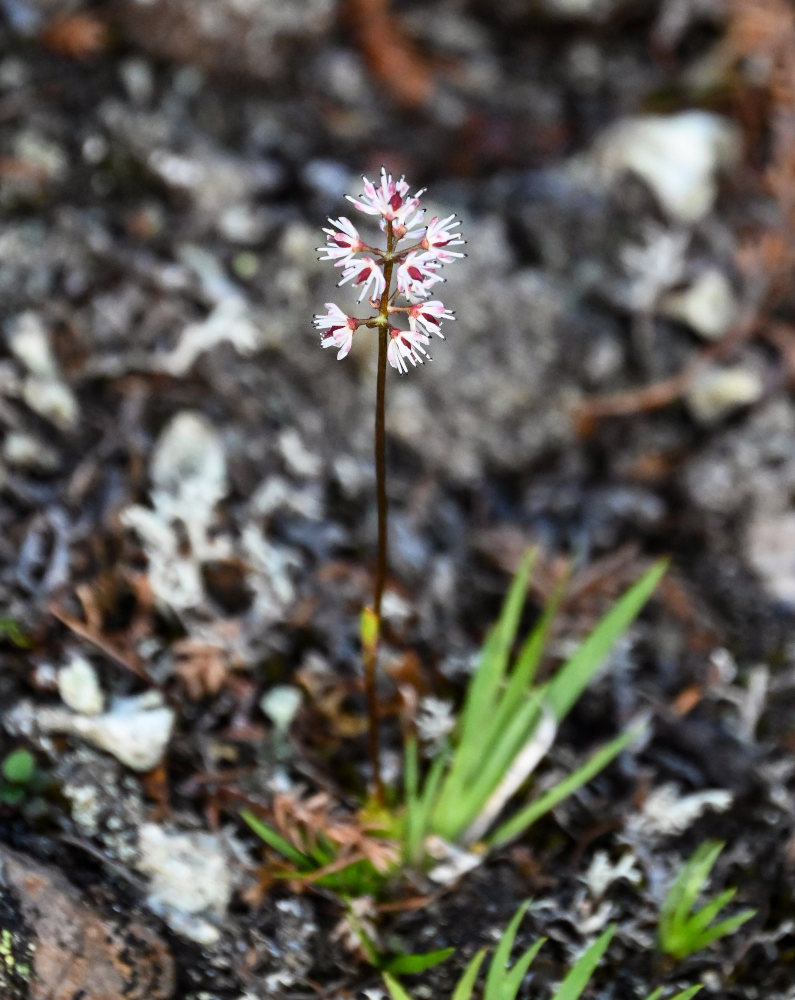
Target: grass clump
(683,930)
(507,726)
(503,981)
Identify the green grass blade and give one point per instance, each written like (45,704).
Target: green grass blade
(396,991)
(691,880)
(530,655)
(699,921)
(491,669)
(466,983)
(499,963)
(412,821)
(540,739)
(513,979)
(579,977)
(569,682)
(460,805)
(421,819)
(524,818)
(411,780)
(687,994)
(404,965)
(728,926)
(275,840)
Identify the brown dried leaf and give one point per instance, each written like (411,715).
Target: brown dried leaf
(202,667)
(77,36)
(392,59)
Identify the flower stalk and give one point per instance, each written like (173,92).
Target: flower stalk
(415,268)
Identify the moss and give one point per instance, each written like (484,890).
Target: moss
(16,955)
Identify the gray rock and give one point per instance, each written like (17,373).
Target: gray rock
(190,879)
(770,549)
(78,686)
(719,391)
(709,306)
(135,730)
(678,156)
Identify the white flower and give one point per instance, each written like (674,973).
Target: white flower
(389,200)
(429,316)
(341,246)
(416,270)
(366,272)
(406,345)
(336,329)
(417,274)
(438,233)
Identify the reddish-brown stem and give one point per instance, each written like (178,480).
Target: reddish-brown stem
(371,648)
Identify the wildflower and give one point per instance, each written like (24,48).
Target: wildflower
(406,345)
(341,246)
(415,269)
(438,234)
(417,273)
(388,200)
(366,272)
(428,247)
(336,329)
(429,316)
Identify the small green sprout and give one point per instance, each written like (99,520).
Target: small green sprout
(10,630)
(18,776)
(400,964)
(683,930)
(504,982)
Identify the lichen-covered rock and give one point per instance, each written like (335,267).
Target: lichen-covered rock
(54,946)
(191,879)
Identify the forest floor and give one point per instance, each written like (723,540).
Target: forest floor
(187,508)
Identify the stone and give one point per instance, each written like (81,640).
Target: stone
(718,391)
(188,461)
(54,946)
(708,306)
(678,156)
(135,730)
(190,879)
(78,686)
(770,550)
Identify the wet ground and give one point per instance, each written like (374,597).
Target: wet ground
(187,488)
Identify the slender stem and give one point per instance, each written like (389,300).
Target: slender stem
(380,420)
(380,470)
(371,649)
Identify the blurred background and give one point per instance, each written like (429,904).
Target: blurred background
(186,479)
(618,379)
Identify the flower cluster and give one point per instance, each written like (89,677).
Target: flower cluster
(414,255)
